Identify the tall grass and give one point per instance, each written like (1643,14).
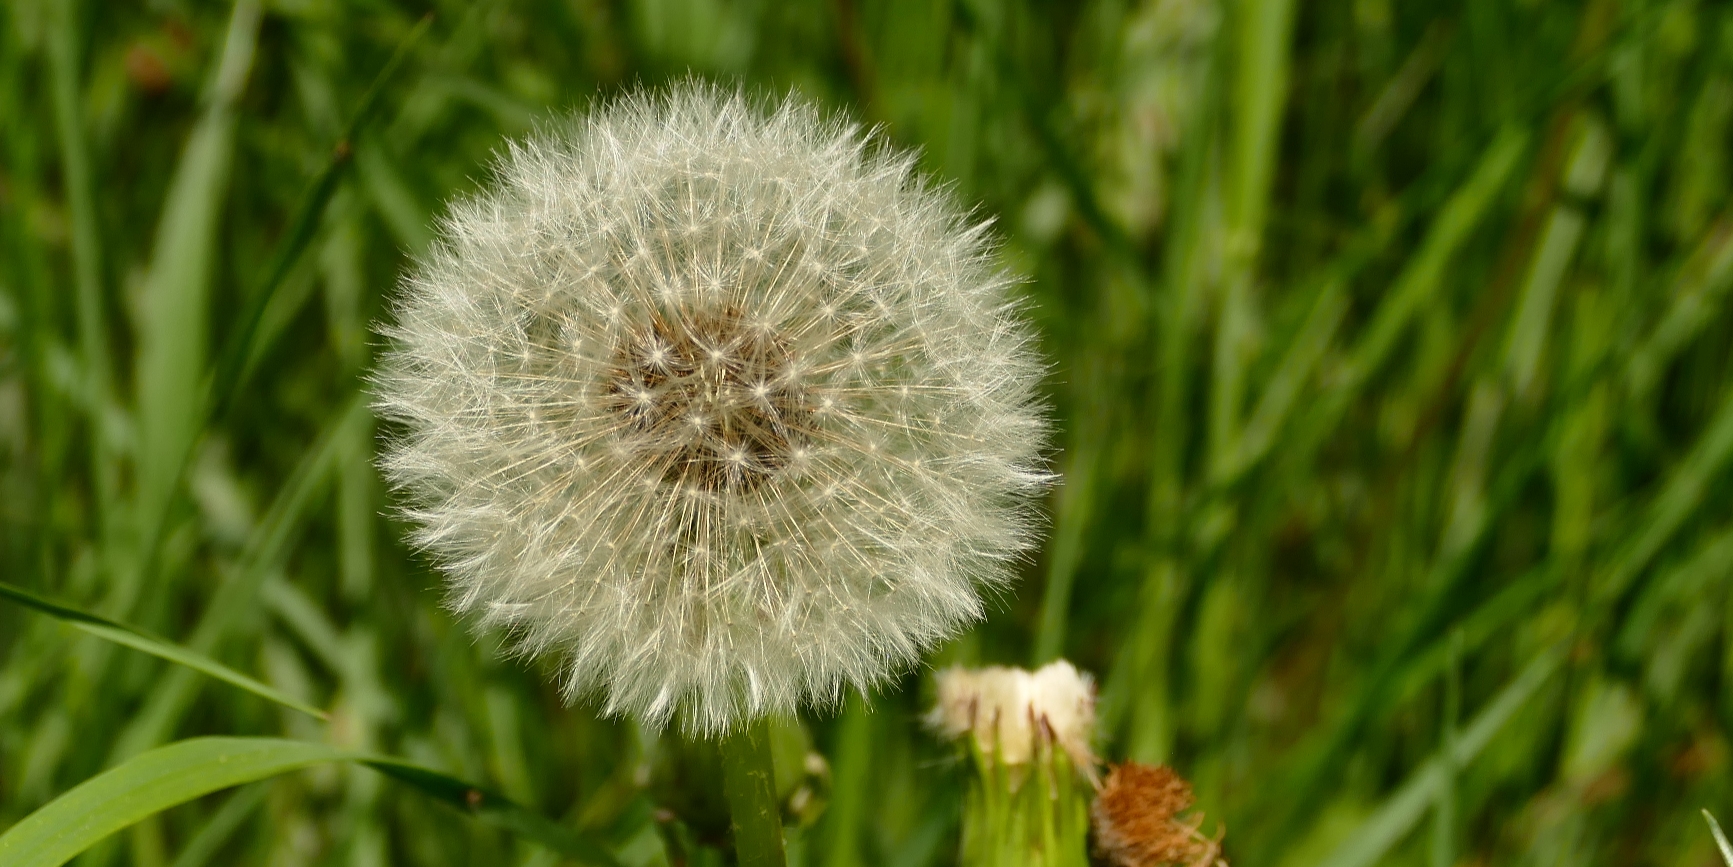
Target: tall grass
(1390,347)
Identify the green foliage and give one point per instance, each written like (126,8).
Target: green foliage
(1030,815)
(120,633)
(184,770)
(147,784)
(1389,350)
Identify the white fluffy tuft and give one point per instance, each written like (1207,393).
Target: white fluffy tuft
(728,407)
(1013,714)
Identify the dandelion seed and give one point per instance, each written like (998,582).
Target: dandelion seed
(727,407)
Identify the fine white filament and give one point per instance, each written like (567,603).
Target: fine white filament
(724,405)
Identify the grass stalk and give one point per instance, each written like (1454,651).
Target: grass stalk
(94,355)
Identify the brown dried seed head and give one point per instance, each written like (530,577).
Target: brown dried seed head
(1137,820)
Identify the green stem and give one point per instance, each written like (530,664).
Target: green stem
(749,780)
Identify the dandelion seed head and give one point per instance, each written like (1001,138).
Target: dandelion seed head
(725,406)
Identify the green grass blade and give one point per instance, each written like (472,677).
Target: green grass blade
(173,312)
(241,351)
(493,808)
(396,203)
(1696,298)
(1720,839)
(1291,375)
(1399,93)
(1061,156)
(149,784)
(1263,33)
(1692,577)
(120,633)
(264,552)
(1445,806)
(1470,632)
(1264,36)
(168,776)
(1554,253)
(86,240)
(1676,502)
(1418,282)
(1075,501)
(1372,840)
(1423,273)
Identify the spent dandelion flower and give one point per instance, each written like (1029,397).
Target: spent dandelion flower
(1012,713)
(1028,736)
(724,405)
(1140,818)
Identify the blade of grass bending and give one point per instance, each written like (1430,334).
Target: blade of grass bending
(122,634)
(264,552)
(1404,808)
(1720,839)
(239,353)
(148,784)
(168,776)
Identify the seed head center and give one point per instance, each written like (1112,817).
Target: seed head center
(710,400)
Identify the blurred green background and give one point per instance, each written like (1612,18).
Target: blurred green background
(1390,350)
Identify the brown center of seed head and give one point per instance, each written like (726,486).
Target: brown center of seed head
(711,396)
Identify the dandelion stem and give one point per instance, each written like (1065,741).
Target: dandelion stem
(749,780)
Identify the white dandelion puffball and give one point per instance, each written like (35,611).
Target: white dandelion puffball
(724,405)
